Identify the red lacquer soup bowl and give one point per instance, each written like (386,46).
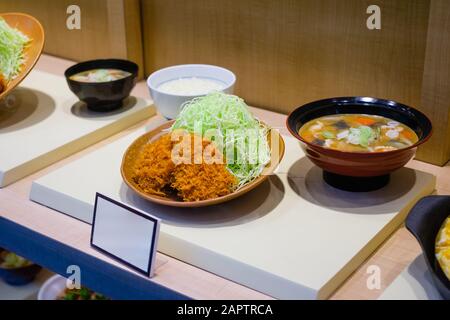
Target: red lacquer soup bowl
(359,171)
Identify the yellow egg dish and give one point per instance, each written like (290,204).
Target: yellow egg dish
(443,247)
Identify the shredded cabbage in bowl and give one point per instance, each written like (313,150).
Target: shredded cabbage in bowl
(12,44)
(242,137)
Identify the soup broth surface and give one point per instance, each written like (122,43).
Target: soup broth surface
(358,133)
(100,75)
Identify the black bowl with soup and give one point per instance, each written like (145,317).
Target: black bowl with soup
(15,270)
(359,141)
(102,84)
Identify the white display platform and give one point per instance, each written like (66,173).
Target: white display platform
(293,237)
(414,283)
(42,122)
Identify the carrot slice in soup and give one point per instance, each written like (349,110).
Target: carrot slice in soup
(308,136)
(365,121)
(408,134)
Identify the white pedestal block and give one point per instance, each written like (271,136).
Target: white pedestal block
(42,122)
(293,237)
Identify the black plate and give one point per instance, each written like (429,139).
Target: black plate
(424,221)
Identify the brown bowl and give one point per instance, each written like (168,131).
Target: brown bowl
(32,28)
(135,148)
(359,171)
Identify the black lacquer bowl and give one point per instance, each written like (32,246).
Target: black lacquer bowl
(424,221)
(19,276)
(103,96)
(359,171)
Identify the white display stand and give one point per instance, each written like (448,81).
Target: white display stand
(293,237)
(414,283)
(42,122)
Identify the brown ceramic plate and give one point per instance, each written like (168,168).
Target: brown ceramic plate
(29,26)
(134,149)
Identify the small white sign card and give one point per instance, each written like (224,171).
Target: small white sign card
(125,234)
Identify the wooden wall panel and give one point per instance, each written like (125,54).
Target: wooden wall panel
(109,28)
(287,53)
(436,84)
(133,32)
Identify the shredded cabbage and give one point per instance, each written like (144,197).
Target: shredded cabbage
(242,137)
(362,135)
(12,43)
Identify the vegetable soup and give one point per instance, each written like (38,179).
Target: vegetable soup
(100,75)
(358,133)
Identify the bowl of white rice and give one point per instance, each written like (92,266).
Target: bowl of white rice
(171,87)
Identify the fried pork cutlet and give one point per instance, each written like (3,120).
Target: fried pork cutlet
(154,166)
(195,182)
(157,173)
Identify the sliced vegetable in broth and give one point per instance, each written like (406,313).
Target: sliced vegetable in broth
(358,133)
(100,75)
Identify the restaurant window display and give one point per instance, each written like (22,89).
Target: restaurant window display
(149,153)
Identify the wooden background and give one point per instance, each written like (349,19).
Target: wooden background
(285,53)
(109,28)
(435,99)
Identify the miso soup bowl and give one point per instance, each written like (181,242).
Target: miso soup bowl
(103,96)
(169,105)
(19,276)
(359,164)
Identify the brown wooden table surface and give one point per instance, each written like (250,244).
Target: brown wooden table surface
(392,256)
